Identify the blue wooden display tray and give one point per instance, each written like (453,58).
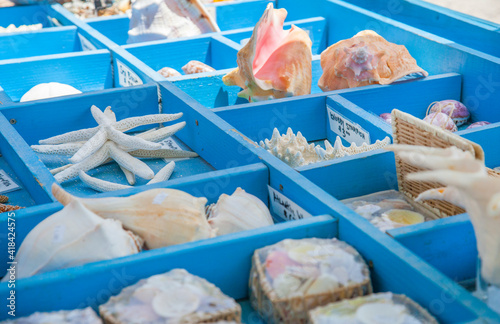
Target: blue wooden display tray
(422,261)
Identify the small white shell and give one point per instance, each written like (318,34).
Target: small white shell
(324,283)
(49,90)
(284,285)
(238,212)
(376,313)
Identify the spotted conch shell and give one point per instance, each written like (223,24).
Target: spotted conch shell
(71,237)
(275,63)
(161,19)
(367,58)
(295,151)
(468,186)
(162,217)
(238,212)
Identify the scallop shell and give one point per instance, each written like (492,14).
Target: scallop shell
(161,19)
(367,58)
(72,237)
(275,63)
(49,90)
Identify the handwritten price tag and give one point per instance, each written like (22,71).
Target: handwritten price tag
(6,183)
(127,77)
(171,144)
(284,207)
(346,129)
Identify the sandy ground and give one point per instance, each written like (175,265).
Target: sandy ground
(484,9)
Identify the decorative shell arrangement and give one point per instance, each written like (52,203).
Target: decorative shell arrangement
(275,63)
(77,316)
(72,237)
(162,19)
(367,58)
(92,147)
(293,276)
(174,297)
(295,151)
(373,309)
(385,209)
(49,90)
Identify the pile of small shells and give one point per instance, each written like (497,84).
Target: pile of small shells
(12,28)
(77,316)
(86,9)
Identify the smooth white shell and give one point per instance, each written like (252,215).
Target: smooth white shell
(380,313)
(238,212)
(49,90)
(72,237)
(177,302)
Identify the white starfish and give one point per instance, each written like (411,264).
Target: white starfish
(107,142)
(104,186)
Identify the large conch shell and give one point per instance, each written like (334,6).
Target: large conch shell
(161,19)
(71,237)
(162,217)
(468,186)
(367,58)
(238,212)
(275,63)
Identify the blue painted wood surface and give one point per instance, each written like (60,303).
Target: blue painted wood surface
(50,41)
(26,15)
(177,53)
(86,71)
(448,244)
(458,27)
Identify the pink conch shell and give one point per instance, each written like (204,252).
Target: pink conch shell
(275,63)
(193,67)
(365,59)
(276,263)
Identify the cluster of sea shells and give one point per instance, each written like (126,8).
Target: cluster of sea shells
(86,9)
(90,230)
(174,297)
(22,28)
(386,210)
(295,151)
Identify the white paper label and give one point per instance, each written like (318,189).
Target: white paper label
(127,77)
(86,44)
(351,132)
(6,183)
(171,144)
(160,198)
(58,235)
(284,207)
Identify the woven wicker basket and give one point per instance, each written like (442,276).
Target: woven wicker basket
(410,130)
(233,314)
(294,310)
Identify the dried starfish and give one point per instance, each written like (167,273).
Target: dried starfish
(104,186)
(95,146)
